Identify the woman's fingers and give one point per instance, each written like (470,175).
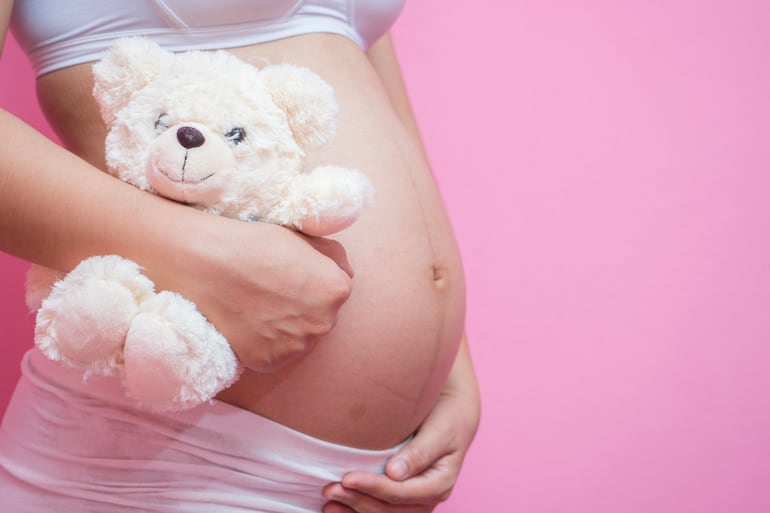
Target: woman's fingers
(344,500)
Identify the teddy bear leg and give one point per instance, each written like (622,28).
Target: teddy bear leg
(174,358)
(84,321)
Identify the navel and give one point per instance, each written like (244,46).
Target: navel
(439,275)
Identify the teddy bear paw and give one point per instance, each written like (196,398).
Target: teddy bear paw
(174,358)
(84,321)
(329,198)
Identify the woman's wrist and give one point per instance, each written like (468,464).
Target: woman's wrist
(462,386)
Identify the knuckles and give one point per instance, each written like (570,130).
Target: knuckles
(273,354)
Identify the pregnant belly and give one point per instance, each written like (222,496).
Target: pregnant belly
(372,380)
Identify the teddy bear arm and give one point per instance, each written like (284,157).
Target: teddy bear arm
(325,200)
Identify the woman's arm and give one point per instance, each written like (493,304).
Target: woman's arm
(384,60)
(56,210)
(424,472)
(5,17)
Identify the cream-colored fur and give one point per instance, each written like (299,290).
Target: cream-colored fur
(210,130)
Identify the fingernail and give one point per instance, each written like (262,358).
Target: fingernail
(398,469)
(330,490)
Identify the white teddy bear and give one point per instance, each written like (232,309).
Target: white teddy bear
(212,131)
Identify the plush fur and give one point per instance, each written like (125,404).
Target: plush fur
(221,135)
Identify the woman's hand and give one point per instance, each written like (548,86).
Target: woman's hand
(270,291)
(423,473)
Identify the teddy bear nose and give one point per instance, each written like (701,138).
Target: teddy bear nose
(190,137)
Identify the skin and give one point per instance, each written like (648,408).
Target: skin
(353,339)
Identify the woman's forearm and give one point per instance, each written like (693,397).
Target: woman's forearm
(55,209)
(462,383)
(260,284)
(5,17)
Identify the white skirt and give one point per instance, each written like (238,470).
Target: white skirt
(72,446)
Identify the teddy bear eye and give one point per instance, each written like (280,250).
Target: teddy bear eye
(160,122)
(236,135)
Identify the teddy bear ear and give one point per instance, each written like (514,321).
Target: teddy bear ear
(306,98)
(126,68)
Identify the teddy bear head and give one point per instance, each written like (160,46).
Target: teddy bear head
(207,128)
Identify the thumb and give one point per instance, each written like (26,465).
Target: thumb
(415,457)
(332,250)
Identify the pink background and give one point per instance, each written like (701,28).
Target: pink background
(606,166)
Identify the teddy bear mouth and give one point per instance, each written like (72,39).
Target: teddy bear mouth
(185,181)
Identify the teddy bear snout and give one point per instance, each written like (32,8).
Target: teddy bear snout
(190,137)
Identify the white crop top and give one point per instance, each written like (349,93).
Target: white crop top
(60,33)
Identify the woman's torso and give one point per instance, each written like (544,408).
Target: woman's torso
(374,377)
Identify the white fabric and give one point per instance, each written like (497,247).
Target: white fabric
(60,33)
(73,446)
